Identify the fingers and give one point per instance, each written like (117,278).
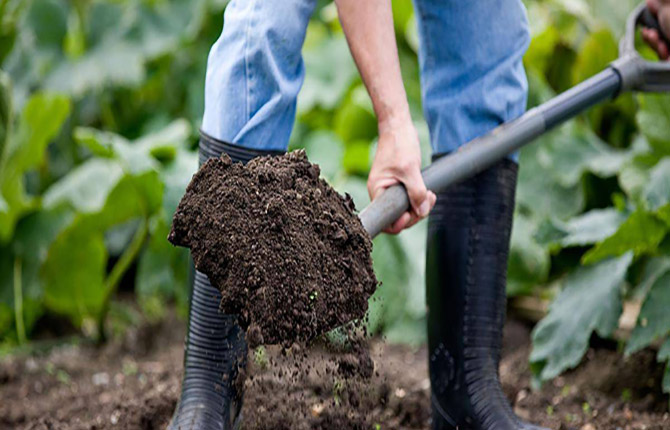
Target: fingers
(652,38)
(416,191)
(408,219)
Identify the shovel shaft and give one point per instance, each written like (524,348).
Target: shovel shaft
(485,151)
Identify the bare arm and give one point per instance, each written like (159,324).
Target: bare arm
(368,26)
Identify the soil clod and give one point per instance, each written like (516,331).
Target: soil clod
(287,252)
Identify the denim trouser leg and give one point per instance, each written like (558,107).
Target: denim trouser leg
(472,75)
(254,73)
(470,57)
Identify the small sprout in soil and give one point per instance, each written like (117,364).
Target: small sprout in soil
(129,368)
(63,377)
(378,426)
(261,357)
(626,395)
(565,391)
(586,408)
(550,410)
(571,418)
(314,295)
(338,388)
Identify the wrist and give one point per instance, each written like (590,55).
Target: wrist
(394,120)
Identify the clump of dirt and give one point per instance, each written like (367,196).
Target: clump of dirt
(287,252)
(133,383)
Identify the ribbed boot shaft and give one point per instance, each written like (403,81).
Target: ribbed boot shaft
(466,272)
(215,347)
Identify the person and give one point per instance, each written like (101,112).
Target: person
(472,78)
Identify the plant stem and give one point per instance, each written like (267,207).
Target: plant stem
(121,266)
(18,302)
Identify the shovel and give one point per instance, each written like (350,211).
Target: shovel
(630,72)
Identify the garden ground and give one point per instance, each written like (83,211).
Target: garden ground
(133,383)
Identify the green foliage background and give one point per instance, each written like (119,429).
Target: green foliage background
(100,103)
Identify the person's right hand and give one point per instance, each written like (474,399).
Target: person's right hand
(660,8)
(398,161)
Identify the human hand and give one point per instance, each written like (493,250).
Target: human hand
(660,8)
(398,160)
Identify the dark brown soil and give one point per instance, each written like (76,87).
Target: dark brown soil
(287,252)
(133,383)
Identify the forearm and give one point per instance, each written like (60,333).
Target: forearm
(368,26)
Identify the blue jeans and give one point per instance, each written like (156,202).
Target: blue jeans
(470,59)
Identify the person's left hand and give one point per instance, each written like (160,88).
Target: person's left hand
(660,8)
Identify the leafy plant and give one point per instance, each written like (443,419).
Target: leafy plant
(84,212)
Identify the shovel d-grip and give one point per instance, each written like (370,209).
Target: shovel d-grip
(630,72)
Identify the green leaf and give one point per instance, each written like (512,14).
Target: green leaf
(653,120)
(598,50)
(657,190)
(355,119)
(590,301)
(325,149)
(528,261)
(540,193)
(329,73)
(664,351)
(400,301)
(87,187)
(176,176)
(40,121)
(356,158)
(6,114)
(654,319)
(574,150)
(112,63)
(586,229)
(162,269)
(634,175)
(74,272)
(641,233)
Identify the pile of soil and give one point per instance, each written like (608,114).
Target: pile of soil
(133,383)
(287,252)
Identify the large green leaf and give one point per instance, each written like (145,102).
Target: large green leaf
(598,50)
(528,261)
(590,301)
(329,73)
(641,233)
(586,229)
(176,175)
(162,270)
(74,272)
(654,320)
(664,355)
(657,190)
(40,121)
(27,251)
(325,149)
(6,114)
(574,150)
(85,188)
(634,174)
(653,120)
(540,193)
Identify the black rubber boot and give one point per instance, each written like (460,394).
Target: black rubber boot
(215,347)
(466,273)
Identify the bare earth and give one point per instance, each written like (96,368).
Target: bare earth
(134,384)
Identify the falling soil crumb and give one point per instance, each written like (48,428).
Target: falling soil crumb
(133,383)
(287,252)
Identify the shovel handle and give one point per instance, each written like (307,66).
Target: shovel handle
(649,20)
